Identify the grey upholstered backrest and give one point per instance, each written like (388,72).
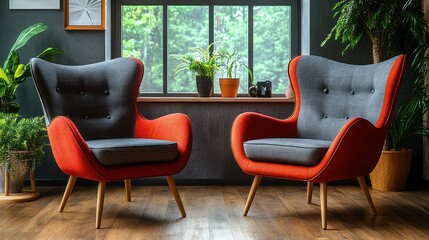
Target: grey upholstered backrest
(332,93)
(99,98)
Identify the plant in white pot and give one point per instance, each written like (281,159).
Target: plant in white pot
(392,26)
(230,63)
(203,63)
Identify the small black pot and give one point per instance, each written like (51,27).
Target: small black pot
(204,86)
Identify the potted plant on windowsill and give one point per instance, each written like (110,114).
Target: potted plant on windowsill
(230,63)
(203,63)
(393,26)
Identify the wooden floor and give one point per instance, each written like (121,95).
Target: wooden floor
(214,212)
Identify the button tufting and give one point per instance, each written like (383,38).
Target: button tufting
(58,89)
(325,116)
(86,117)
(372,91)
(107,92)
(108,117)
(326,90)
(352,92)
(81,93)
(347,117)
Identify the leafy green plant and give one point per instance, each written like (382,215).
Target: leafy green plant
(22,134)
(203,62)
(393,27)
(14,73)
(231,63)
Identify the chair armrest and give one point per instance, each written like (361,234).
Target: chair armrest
(248,126)
(174,127)
(70,150)
(354,152)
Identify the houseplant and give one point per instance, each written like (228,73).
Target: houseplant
(22,143)
(14,73)
(21,140)
(393,26)
(230,63)
(203,63)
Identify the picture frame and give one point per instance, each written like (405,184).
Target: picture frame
(32,4)
(85,14)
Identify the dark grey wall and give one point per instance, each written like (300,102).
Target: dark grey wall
(212,137)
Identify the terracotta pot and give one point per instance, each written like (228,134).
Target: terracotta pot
(391,171)
(229,87)
(204,86)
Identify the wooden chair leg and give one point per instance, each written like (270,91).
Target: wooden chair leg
(128,189)
(100,203)
(309,192)
(364,188)
(67,192)
(176,195)
(255,185)
(323,203)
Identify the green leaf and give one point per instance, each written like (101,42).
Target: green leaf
(3,76)
(19,71)
(3,84)
(23,38)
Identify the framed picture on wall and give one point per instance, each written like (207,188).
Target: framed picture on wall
(34,4)
(85,14)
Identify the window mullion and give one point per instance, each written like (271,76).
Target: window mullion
(250,41)
(164,49)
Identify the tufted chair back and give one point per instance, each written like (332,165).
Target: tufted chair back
(99,98)
(331,93)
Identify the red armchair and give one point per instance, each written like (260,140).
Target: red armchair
(336,131)
(97,133)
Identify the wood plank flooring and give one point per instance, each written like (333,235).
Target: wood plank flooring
(215,212)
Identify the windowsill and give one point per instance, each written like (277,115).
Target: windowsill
(215,99)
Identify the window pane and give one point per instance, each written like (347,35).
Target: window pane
(230,34)
(272,45)
(142,39)
(188,27)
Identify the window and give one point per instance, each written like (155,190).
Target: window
(263,32)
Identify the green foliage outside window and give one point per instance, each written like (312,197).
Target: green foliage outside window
(188,27)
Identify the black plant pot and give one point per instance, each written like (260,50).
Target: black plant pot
(204,86)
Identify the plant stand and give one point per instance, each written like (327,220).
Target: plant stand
(24,196)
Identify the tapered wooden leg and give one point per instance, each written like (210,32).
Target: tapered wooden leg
(128,189)
(364,188)
(32,181)
(6,184)
(67,192)
(100,203)
(255,185)
(309,192)
(176,195)
(323,203)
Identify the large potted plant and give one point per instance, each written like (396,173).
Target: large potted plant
(14,73)
(21,139)
(22,144)
(393,26)
(229,62)
(203,63)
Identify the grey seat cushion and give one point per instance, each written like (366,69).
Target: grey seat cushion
(297,151)
(119,151)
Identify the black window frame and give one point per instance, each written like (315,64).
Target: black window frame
(117,30)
